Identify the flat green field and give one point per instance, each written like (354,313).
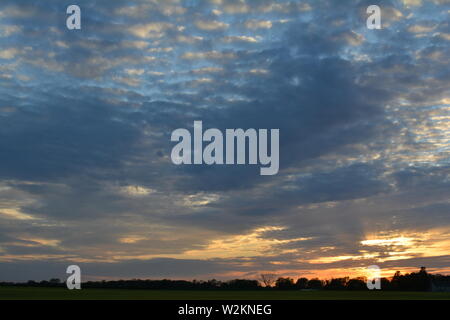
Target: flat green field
(8,293)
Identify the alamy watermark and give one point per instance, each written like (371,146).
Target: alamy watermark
(241,147)
(73,22)
(374,278)
(74,280)
(374,20)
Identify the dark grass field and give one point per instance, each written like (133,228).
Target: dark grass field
(26,293)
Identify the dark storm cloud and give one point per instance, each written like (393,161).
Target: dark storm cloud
(62,136)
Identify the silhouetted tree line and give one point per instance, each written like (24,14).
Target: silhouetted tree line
(165,284)
(415,281)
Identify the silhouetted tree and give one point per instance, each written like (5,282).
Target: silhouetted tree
(315,284)
(419,281)
(336,284)
(285,284)
(268,279)
(241,284)
(385,284)
(356,284)
(55,281)
(302,283)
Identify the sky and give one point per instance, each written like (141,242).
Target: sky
(86,118)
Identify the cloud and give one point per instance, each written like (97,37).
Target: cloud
(9,53)
(240,38)
(412,2)
(421,29)
(86,118)
(211,25)
(150,30)
(255,24)
(208,55)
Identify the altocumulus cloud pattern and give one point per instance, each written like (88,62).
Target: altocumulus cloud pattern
(86,117)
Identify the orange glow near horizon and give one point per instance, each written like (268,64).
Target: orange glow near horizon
(387,248)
